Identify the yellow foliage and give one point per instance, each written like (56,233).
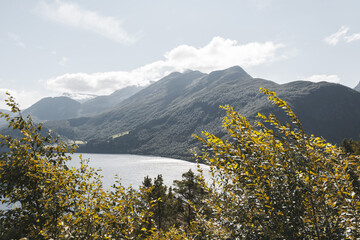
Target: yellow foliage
(46,199)
(274,181)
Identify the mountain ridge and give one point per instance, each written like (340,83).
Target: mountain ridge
(65,107)
(357,88)
(160,119)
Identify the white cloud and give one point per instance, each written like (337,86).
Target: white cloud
(220,53)
(341,34)
(323,77)
(16,39)
(63,61)
(352,37)
(107,82)
(72,15)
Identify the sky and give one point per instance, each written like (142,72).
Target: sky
(51,47)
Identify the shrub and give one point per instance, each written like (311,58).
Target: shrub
(273,181)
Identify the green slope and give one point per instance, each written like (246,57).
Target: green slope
(160,119)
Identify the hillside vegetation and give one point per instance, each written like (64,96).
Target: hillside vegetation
(269,181)
(160,119)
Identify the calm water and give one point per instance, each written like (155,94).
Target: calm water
(133,168)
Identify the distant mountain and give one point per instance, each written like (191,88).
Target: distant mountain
(357,88)
(64,107)
(54,108)
(3,121)
(160,119)
(101,103)
(5,111)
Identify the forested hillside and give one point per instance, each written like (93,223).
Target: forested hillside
(160,119)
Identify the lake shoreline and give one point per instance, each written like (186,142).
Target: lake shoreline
(132,168)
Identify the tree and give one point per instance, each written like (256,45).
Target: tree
(35,182)
(45,199)
(350,146)
(191,192)
(160,202)
(273,181)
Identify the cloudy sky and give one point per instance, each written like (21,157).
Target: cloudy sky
(48,47)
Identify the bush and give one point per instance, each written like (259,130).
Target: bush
(273,181)
(45,199)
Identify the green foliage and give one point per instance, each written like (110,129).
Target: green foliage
(161,203)
(191,194)
(350,146)
(34,180)
(272,181)
(45,199)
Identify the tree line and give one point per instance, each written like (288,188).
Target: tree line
(269,180)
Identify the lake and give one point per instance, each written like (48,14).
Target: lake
(133,168)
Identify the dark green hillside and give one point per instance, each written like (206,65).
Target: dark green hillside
(160,119)
(325,109)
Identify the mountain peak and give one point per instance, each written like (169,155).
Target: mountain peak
(233,70)
(231,73)
(54,108)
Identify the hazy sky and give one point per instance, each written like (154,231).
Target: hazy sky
(90,46)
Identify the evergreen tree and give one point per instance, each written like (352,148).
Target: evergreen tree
(350,146)
(191,192)
(159,202)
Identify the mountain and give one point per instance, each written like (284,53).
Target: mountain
(53,108)
(160,119)
(5,111)
(2,120)
(357,88)
(103,103)
(64,107)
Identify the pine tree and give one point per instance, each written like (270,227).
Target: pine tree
(190,192)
